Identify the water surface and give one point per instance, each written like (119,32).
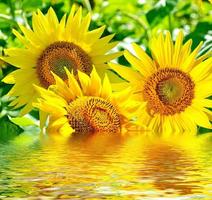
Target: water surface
(106,167)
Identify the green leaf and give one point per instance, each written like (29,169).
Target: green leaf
(6,22)
(202,130)
(34,113)
(8,130)
(4,8)
(29,5)
(22,121)
(199,33)
(157,14)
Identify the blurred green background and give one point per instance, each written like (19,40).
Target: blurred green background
(131,21)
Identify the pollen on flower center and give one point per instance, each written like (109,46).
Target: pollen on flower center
(93,114)
(59,55)
(168,91)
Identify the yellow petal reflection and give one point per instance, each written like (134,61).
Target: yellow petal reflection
(108,166)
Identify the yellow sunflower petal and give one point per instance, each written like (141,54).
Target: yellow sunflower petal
(61,28)
(75,24)
(66,130)
(40,25)
(42,117)
(104,68)
(144,58)
(62,88)
(51,44)
(203,103)
(203,89)
(178,125)
(72,82)
(173,62)
(30,35)
(106,88)
(168,124)
(19,76)
(85,82)
(155,125)
(202,70)
(168,44)
(20,61)
(95,83)
(127,73)
(144,70)
(85,24)
(199,117)
(177,50)
(158,55)
(69,21)
(105,58)
(188,123)
(50,95)
(104,49)
(21,38)
(52,18)
(123,95)
(50,108)
(101,43)
(58,123)
(184,53)
(92,36)
(120,86)
(189,62)
(208,113)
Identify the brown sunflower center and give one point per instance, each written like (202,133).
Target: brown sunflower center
(168,91)
(59,55)
(93,114)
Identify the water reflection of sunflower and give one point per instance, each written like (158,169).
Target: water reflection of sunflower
(51,45)
(174,83)
(87,105)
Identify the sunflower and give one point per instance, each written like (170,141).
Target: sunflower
(175,83)
(85,105)
(51,45)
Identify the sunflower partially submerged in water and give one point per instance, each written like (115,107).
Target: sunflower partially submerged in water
(87,105)
(175,83)
(50,46)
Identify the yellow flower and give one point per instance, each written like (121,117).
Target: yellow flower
(174,83)
(87,106)
(50,46)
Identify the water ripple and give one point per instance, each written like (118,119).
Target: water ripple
(107,167)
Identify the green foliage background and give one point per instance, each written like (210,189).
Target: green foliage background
(131,21)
